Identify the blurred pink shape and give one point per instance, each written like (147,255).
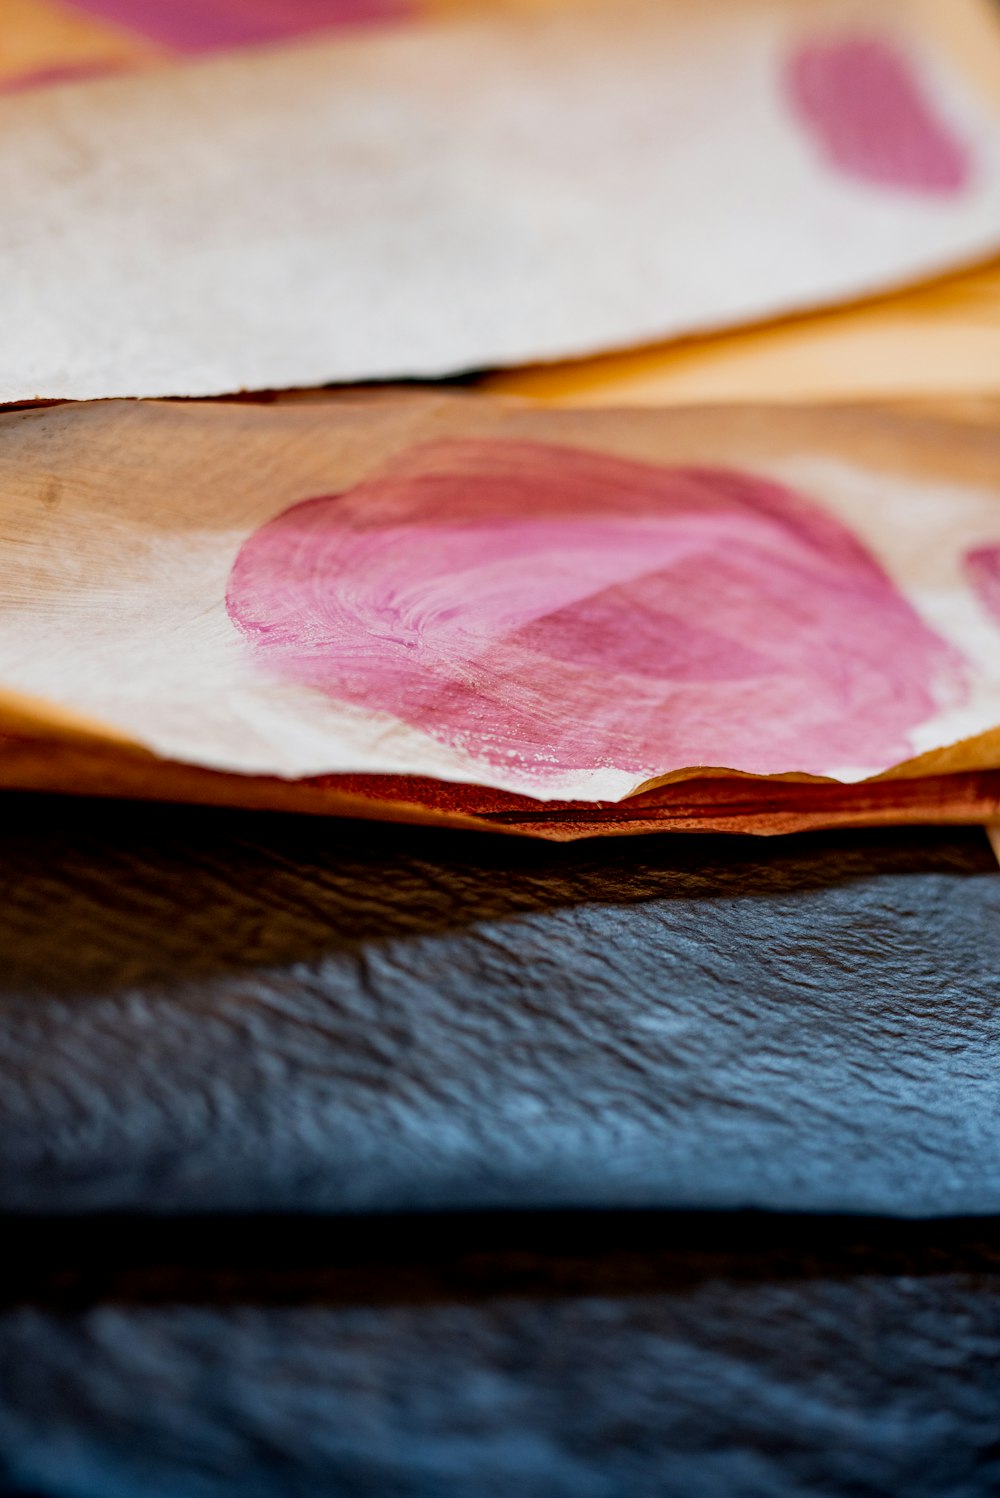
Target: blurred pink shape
(862,100)
(201,25)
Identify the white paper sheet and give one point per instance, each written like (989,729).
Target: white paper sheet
(480,192)
(564,604)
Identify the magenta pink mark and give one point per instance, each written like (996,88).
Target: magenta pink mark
(863,102)
(201,25)
(559,609)
(982,568)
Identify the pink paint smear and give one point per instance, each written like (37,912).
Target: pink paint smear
(864,105)
(982,568)
(554,609)
(202,25)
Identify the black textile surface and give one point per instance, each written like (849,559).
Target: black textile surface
(342,1028)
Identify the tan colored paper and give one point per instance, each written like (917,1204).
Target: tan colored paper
(273,590)
(482,190)
(43,39)
(941,339)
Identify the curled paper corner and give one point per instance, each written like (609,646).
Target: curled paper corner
(993,833)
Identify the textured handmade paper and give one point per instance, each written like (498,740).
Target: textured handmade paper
(482,191)
(559,604)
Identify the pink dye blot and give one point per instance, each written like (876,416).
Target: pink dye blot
(982,568)
(863,103)
(202,25)
(549,608)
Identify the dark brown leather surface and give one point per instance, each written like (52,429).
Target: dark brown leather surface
(342,1028)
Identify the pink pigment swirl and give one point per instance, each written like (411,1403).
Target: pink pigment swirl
(864,104)
(202,25)
(549,608)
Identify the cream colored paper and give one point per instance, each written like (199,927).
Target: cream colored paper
(121,524)
(482,190)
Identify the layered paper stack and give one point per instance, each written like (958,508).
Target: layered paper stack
(467,607)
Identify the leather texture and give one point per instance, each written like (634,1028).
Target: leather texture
(608,1358)
(211,1011)
(363,1036)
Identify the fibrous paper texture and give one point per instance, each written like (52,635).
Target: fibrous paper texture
(539,605)
(483,191)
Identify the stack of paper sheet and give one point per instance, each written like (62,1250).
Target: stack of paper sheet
(481,610)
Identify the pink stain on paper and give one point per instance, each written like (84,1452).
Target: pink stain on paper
(982,568)
(554,609)
(864,104)
(202,25)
